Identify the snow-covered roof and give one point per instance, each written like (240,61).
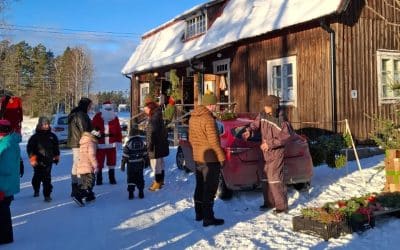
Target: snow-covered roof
(240,19)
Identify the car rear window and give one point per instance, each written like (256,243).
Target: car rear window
(63,120)
(220,127)
(238,133)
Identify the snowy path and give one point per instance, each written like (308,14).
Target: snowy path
(165,219)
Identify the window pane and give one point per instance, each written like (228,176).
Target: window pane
(288,69)
(387,91)
(290,94)
(385,64)
(396,65)
(277,71)
(290,82)
(385,77)
(277,86)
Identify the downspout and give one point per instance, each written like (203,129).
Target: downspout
(332,39)
(130,96)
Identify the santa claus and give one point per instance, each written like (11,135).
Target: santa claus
(107,122)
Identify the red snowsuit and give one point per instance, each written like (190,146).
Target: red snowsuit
(13,113)
(275,132)
(111,135)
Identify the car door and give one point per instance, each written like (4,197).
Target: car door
(244,166)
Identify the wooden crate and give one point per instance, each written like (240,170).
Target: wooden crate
(392,154)
(332,230)
(392,168)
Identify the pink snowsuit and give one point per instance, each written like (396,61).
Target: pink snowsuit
(275,132)
(87,154)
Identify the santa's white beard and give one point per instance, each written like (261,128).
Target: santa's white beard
(108,115)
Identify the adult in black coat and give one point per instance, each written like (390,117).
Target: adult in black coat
(78,122)
(157,143)
(43,150)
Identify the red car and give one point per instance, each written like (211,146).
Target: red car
(244,160)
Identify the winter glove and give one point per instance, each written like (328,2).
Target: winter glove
(2,195)
(56,159)
(21,168)
(33,160)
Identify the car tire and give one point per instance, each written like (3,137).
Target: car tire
(224,192)
(180,159)
(302,186)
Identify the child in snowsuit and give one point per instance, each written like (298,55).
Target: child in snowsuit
(43,151)
(134,157)
(87,167)
(275,132)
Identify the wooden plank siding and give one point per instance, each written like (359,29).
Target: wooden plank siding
(360,34)
(311,47)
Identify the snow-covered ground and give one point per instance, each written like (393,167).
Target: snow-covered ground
(165,219)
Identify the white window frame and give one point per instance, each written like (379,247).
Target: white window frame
(143,86)
(222,63)
(196,23)
(390,55)
(226,63)
(280,62)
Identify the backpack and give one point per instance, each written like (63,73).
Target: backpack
(135,149)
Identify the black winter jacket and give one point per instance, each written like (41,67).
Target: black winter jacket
(44,145)
(78,122)
(157,136)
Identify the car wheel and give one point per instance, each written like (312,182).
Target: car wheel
(224,192)
(180,159)
(302,186)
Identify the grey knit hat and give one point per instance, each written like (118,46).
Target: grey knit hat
(43,120)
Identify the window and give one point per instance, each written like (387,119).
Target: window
(144,91)
(196,25)
(282,79)
(388,75)
(221,66)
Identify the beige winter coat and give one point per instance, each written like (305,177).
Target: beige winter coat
(87,154)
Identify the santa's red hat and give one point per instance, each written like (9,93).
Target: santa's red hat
(107,104)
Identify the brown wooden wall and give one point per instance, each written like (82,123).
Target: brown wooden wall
(360,34)
(249,73)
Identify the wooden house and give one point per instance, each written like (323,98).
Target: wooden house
(328,60)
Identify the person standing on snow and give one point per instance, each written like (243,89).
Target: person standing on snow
(157,143)
(78,122)
(9,177)
(275,132)
(107,123)
(209,158)
(43,151)
(87,167)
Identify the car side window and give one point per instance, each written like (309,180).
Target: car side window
(238,133)
(63,120)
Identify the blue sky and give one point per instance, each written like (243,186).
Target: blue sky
(109,53)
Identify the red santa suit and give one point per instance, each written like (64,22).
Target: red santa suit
(107,123)
(13,112)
